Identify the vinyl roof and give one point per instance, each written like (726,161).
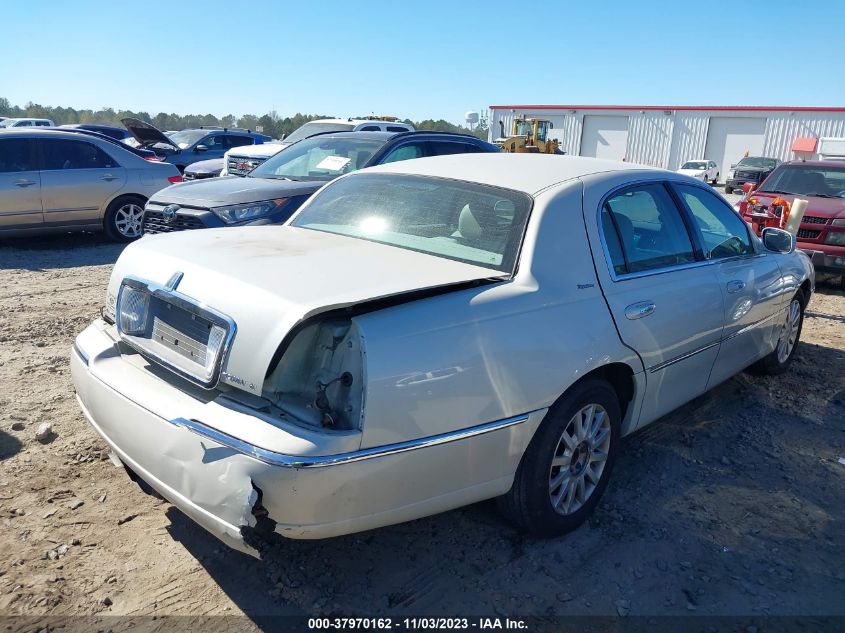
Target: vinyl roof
(522,172)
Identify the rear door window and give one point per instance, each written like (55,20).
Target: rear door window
(238,141)
(17,154)
(62,154)
(644,230)
(442,148)
(406,152)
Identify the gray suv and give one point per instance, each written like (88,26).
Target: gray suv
(190,146)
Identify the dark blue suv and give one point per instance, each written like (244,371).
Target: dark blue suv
(189,146)
(271,192)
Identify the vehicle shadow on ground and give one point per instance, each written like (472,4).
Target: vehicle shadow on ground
(9,445)
(723,506)
(64,250)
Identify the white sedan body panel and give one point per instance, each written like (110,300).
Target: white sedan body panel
(269,278)
(455,383)
(497,351)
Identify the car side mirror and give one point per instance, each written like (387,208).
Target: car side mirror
(748,187)
(733,166)
(201,148)
(778,240)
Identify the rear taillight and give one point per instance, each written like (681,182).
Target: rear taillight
(174,179)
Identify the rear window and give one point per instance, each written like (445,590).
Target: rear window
(61,154)
(312,128)
(462,221)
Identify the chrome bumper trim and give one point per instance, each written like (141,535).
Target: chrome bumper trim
(299,461)
(80,353)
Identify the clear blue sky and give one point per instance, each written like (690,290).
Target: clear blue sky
(418,59)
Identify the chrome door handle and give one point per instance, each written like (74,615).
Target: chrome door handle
(24,183)
(108,177)
(735,285)
(639,310)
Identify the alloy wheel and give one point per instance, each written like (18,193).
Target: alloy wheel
(579,459)
(789,331)
(128,219)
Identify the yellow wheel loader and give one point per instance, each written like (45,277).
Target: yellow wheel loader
(528,136)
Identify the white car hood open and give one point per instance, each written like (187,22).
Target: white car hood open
(269,278)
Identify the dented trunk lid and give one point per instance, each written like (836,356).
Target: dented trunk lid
(270,278)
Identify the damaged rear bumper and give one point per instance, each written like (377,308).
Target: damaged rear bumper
(185,448)
(232,504)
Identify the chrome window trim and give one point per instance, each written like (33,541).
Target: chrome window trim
(170,295)
(320,461)
(657,271)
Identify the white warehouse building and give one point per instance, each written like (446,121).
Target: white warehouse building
(667,136)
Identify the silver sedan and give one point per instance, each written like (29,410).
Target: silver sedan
(67,181)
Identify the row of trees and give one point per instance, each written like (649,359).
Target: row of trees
(271,123)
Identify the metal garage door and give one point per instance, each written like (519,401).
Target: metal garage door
(605,137)
(728,139)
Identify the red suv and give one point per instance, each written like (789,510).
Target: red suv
(822,231)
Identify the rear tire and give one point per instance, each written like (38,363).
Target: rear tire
(780,358)
(729,189)
(568,462)
(122,221)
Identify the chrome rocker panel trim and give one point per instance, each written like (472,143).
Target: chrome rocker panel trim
(298,461)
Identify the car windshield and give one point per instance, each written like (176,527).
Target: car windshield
(694,165)
(186,138)
(312,128)
(757,162)
(320,158)
(462,221)
(807,180)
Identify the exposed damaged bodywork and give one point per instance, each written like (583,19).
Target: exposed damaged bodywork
(319,379)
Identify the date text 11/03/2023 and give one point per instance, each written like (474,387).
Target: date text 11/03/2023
(423,623)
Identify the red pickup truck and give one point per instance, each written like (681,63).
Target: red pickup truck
(822,231)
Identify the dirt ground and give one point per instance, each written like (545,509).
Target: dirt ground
(733,505)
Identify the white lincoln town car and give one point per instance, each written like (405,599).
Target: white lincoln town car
(427,334)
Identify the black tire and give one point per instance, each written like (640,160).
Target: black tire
(716,179)
(529,503)
(116,222)
(775,363)
(729,189)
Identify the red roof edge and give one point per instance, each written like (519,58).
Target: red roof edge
(669,107)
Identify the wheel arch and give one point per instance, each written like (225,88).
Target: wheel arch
(806,289)
(620,376)
(120,196)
